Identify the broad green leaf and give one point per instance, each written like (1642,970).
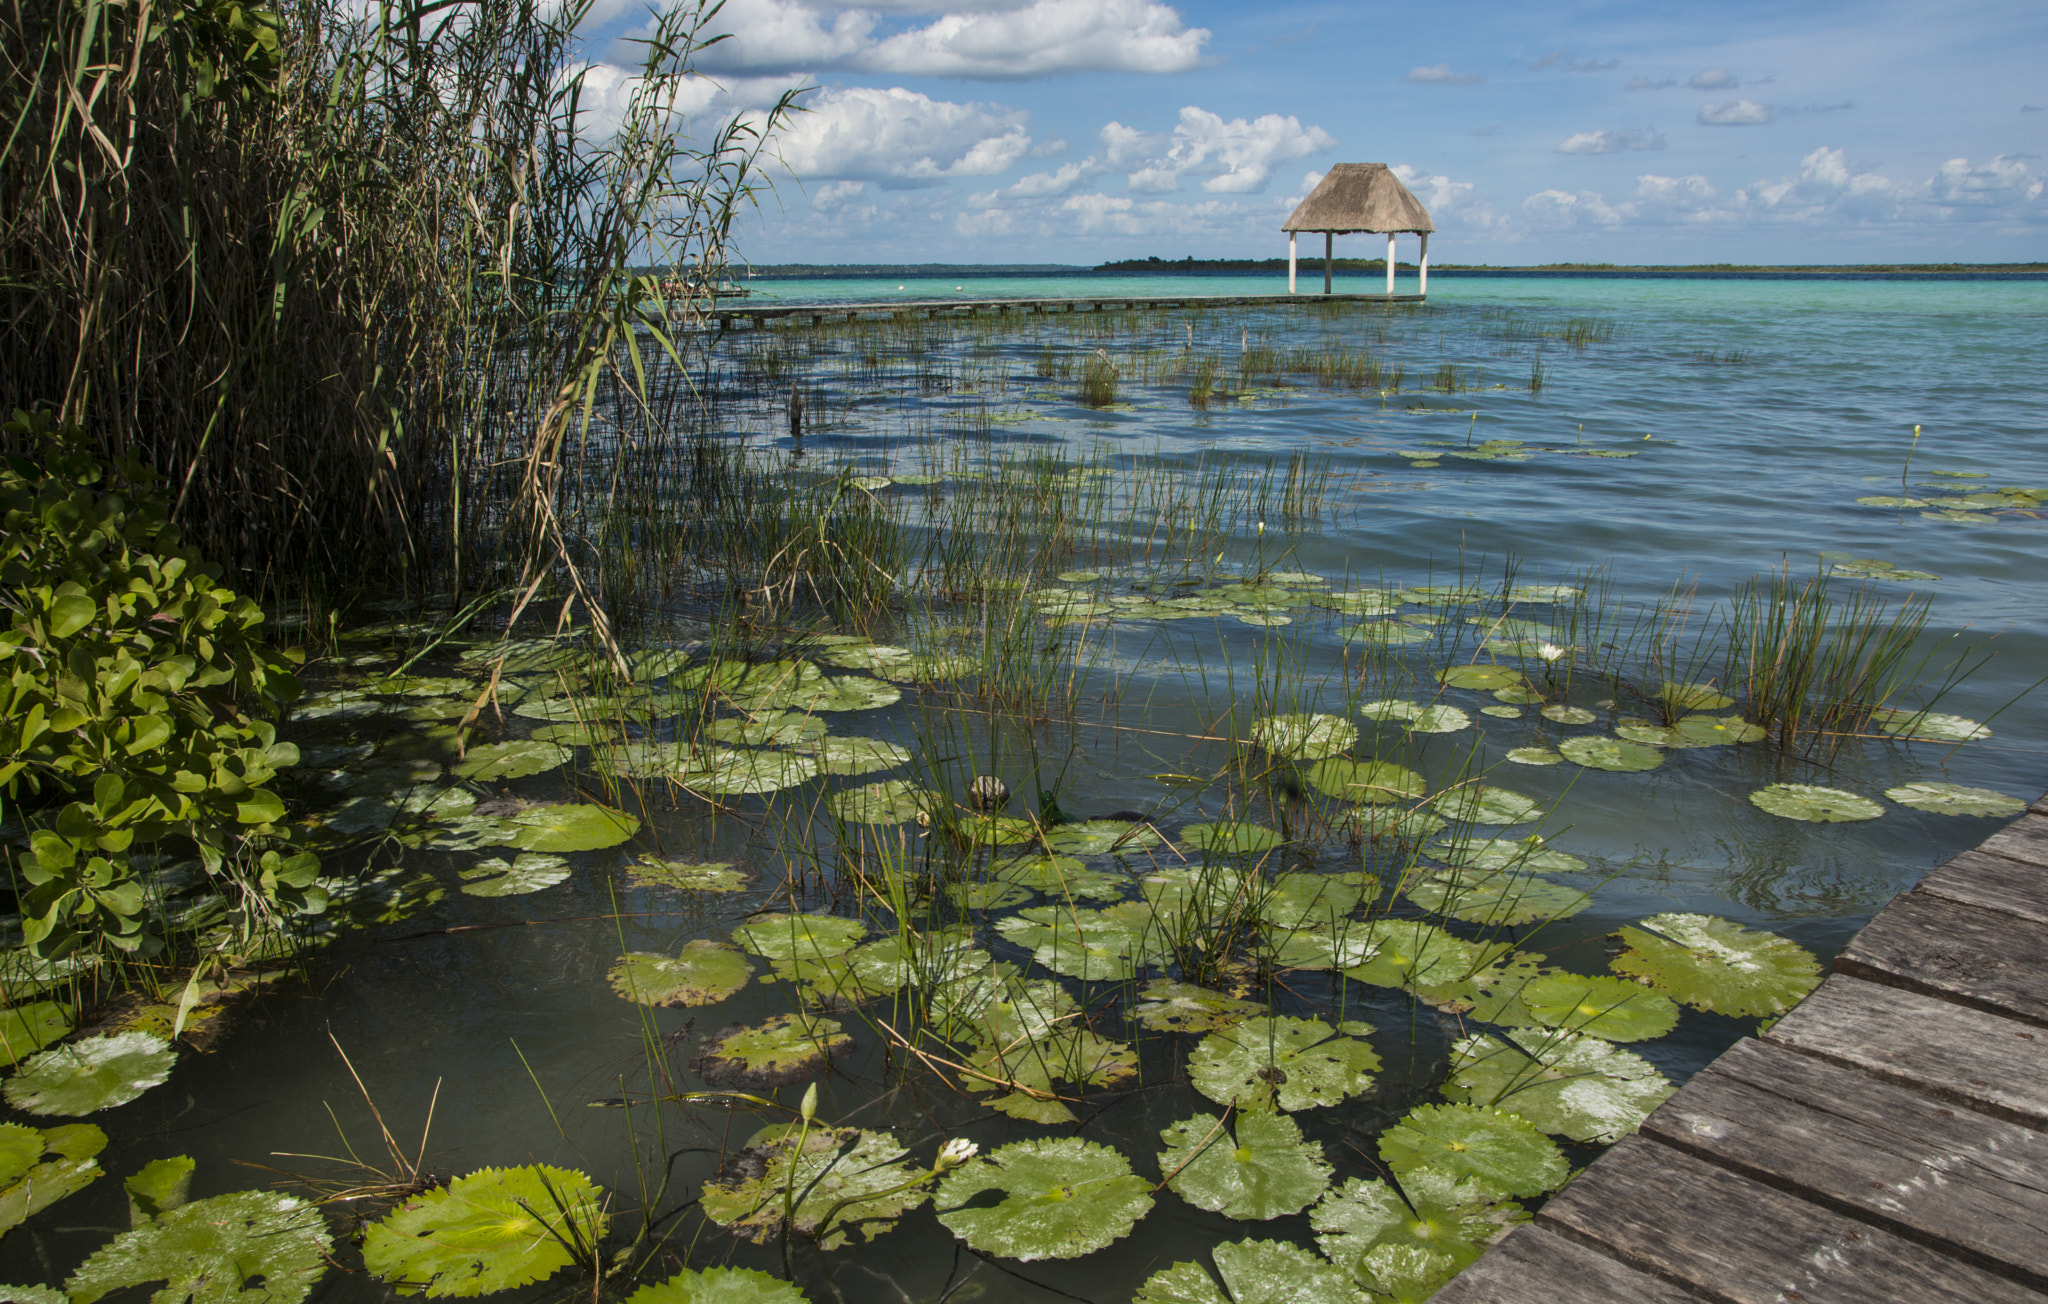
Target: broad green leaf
(683,875)
(1114,942)
(1265,1171)
(1029,1071)
(1385,632)
(735,771)
(1098,837)
(1502,1150)
(1694,697)
(1365,1225)
(249,1247)
(770,728)
(1296,1063)
(95,1073)
(1303,736)
(1610,754)
(847,1183)
(1694,731)
(787,1048)
(1563,714)
(893,801)
(490,762)
(780,938)
(1573,1086)
(1478,676)
(1930,725)
(1421,956)
(1059,876)
(1803,801)
(1528,854)
(856,755)
(1484,804)
(1230,839)
(997,831)
(158,1187)
(1440,719)
(42,1166)
(572,827)
(1402,825)
(1372,783)
(719,1286)
(530,871)
(26,1029)
(993,1007)
(1296,900)
(1955,799)
(492,1230)
(1254,1272)
(1495,897)
(1613,1009)
(1045,1199)
(704,973)
(1716,964)
(1172,1006)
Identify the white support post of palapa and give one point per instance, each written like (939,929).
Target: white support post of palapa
(1422,267)
(1390,264)
(1290,261)
(1329,238)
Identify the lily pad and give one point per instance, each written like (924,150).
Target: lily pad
(1568,1085)
(1440,719)
(1265,1171)
(491,1230)
(891,802)
(1612,1009)
(1372,783)
(1503,1151)
(1231,839)
(1563,714)
(248,1245)
(490,762)
(1307,900)
(1930,725)
(1171,1006)
(1421,956)
(529,872)
(1496,898)
(780,938)
(1385,632)
(1716,964)
(1534,756)
(995,1007)
(575,826)
(846,1183)
(997,831)
(1100,837)
(1078,577)
(1529,854)
(1480,676)
(842,693)
(1955,799)
(1402,825)
(1045,1199)
(857,755)
(719,1286)
(1296,1063)
(1694,697)
(787,1048)
(1483,804)
(1803,801)
(39,1167)
(684,876)
(1026,1072)
(1254,1272)
(1062,876)
(1610,754)
(1502,712)
(26,1029)
(1695,731)
(94,1073)
(1369,602)
(1114,942)
(704,973)
(769,729)
(1305,736)
(1377,1230)
(737,771)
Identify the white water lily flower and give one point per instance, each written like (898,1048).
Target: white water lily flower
(1550,651)
(957,1152)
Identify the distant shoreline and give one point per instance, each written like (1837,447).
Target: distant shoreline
(1311,268)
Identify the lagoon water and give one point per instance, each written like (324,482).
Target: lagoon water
(1756,414)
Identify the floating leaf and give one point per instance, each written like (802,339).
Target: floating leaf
(1304,736)
(1567,714)
(1078,577)
(1386,632)
(1254,1272)
(577,826)
(842,693)
(1955,799)
(736,771)
(1265,1171)
(1566,1084)
(1440,719)
(1495,898)
(1716,964)
(1171,1006)
(1444,595)
(857,755)
(39,1167)
(246,1246)
(529,872)
(1371,602)
(994,1007)
(91,1074)
(1376,1229)
(997,831)
(1929,725)
(1058,875)
(1298,900)
(26,1029)
(684,876)
(1695,731)
(490,762)
(1030,1069)
(1803,801)
(494,1229)
(1502,712)
(1482,804)
(1298,1063)
(1098,837)
(1612,1009)
(787,1048)
(1372,783)
(705,973)
(846,1183)
(1059,1199)
(1479,676)
(1694,697)
(1610,754)
(1502,1150)
(719,1286)
(1534,756)
(1421,956)
(1114,942)
(1528,854)
(1231,839)
(891,802)
(782,938)
(769,729)
(158,1187)
(1404,825)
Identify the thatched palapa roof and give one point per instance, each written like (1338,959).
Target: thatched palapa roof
(1359,197)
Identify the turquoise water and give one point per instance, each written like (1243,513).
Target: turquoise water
(1754,413)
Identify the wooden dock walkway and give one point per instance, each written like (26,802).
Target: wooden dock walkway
(1886,1141)
(818,313)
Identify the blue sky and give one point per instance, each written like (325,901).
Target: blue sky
(1083,130)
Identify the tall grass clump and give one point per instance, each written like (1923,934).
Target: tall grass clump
(1098,380)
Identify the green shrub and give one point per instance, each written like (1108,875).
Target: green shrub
(134,697)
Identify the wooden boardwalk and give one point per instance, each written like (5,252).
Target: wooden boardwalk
(819,313)
(1885,1141)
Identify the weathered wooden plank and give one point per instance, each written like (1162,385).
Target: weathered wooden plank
(2026,838)
(1993,882)
(1983,1062)
(1961,1182)
(1533,1266)
(1985,959)
(1724,1236)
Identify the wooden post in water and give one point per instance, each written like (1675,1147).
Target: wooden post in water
(796,412)
(1329,237)
(1290,262)
(1422,267)
(1390,264)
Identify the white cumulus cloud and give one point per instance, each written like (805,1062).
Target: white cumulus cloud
(1610,142)
(1440,74)
(1233,156)
(899,138)
(1713,79)
(1735,113)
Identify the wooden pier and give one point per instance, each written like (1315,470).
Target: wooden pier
(820,313)
(1886,1141)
